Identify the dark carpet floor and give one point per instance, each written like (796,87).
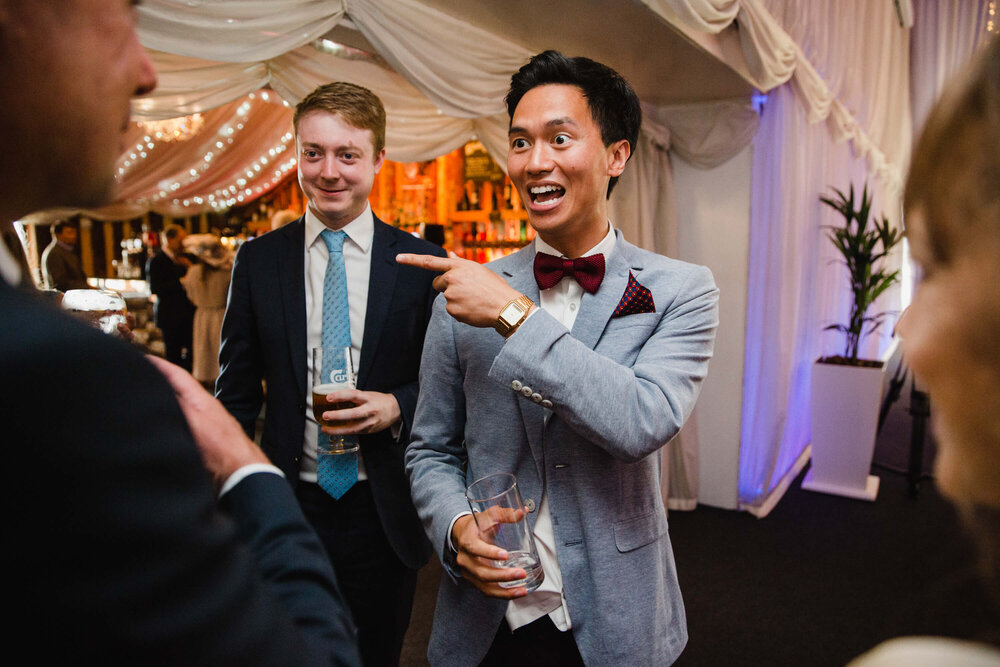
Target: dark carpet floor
(819,580)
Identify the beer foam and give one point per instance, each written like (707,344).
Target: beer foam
(328,388)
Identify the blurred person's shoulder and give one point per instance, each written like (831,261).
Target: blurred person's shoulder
(929,652)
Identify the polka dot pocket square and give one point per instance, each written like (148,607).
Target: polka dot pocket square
(637,299)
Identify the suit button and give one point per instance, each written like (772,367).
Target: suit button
(515,385)
(525,390)
(529,505)
(536,397)
(546,403)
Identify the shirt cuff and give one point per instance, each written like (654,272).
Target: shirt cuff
(245,472)
(451,526)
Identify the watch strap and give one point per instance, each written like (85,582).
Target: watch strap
(505,328)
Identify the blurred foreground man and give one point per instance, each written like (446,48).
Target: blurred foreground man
(596,360)
(119,551)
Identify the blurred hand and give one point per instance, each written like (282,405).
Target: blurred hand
(224,446)
(476,555)
(475,294)
(373,411)
(126,327)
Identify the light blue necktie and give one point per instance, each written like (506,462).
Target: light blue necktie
(336,473)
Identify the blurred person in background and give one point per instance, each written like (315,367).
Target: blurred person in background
(61,266)
(207,286)
(173,311)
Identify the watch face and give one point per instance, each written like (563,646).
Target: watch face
(511,313)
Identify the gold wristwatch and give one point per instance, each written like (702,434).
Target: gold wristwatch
(512,315)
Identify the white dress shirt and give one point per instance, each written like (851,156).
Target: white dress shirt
(357,264)
(562,301)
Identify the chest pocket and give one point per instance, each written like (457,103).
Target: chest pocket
(639,531)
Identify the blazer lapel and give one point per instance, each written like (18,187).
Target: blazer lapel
(291,278)
(381,285)
(596,309)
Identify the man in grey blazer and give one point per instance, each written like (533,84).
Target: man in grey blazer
(575,396)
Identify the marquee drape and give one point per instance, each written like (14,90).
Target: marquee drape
(843,63)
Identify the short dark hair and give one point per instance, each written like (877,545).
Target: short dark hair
(171,231)
(359,106)
(610,98)
(60,225)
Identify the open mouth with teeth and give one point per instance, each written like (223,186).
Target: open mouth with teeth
(546,195)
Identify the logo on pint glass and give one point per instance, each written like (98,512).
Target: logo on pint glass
(338,376)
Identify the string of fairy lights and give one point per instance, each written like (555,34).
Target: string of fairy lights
(262,174)
(268,169)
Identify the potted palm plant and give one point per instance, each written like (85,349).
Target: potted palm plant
(846,389)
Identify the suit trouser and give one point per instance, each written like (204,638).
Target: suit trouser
(378,587)
(177,343)
(537,644)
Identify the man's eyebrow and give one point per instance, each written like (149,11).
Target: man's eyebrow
(342,147)
(555,122)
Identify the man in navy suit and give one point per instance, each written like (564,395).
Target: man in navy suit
(275,316)
(575,396)
(123,548)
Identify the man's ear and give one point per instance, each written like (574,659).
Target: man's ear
(618,154)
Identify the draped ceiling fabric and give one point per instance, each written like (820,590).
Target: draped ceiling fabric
(846,64)
(443,83)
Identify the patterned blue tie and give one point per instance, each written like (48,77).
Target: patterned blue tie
(336,472)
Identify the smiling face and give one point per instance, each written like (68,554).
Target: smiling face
(337,166)
(82,63)
(561,167)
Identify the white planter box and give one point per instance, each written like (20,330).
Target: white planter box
(845,408)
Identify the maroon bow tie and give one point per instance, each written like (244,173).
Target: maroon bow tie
(588,271)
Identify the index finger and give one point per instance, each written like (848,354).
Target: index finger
(429,262)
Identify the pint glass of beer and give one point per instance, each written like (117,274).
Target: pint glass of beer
(104,309)
(332,370)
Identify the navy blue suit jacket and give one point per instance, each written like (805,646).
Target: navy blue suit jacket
(118,552)
(264,338)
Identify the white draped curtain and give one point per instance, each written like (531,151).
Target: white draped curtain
(443,83)
(847,66)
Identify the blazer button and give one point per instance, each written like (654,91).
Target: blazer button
(529,505)
(536,397)
(516,385)
(546,403)
(525,390)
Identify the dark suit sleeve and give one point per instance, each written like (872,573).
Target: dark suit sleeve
(292,562)
(406,395)
(163,273)
(119,546)
(241,367)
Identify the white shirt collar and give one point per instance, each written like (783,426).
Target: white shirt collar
(361,230)
(605,247)
(10,269)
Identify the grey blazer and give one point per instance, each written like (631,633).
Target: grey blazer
(582,416)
